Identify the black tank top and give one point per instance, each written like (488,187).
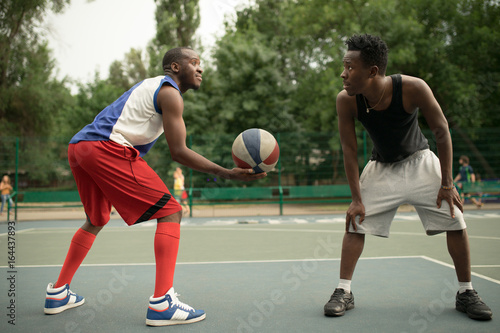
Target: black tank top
(394,132)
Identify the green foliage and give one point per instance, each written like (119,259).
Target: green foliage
(124,74)
(199,107)
(30,97)
(249,87)
(455,48)
(453,45)
(277,68)
(91,99)
(176,24)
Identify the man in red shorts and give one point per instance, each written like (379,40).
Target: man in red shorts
(106,161)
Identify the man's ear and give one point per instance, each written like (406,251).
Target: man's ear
(373,71)
(175,67)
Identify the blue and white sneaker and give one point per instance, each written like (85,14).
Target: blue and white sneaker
(168,310)
(59,299)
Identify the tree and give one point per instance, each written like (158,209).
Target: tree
(124,74)
(18,23)
(30,97)
(250,90)
(28,92)
(176,24)
(437,40)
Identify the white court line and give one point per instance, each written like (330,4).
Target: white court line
(124,229)
(192,227)
(275,261)
(19,231)
(217,262)
(255,261)
(60,230)
(196,227)
(453,267)
(486,266)
(485,237)
(271,229)
(403,233)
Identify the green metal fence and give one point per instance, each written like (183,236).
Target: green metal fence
(309,162)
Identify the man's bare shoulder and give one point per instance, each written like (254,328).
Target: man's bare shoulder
(168,90)
(346,103)
(342,95)
(413,83)
(416,93)
(169,98)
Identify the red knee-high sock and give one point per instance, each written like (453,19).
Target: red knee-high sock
(80,245)
(166,247)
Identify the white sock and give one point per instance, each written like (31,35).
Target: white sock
(345,284)
(463,286)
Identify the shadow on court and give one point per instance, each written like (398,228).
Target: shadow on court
(252,278)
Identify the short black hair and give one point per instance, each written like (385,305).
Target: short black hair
(173,55)
(373,50)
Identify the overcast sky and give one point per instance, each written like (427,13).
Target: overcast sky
(89,36)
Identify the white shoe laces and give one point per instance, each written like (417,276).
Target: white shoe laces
(181,305)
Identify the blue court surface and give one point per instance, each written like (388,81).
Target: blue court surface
(262,274)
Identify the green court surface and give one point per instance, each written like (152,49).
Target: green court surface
(253,275)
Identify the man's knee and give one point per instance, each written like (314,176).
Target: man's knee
(87,226)
(175,217)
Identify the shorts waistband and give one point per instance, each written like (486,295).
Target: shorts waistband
(416,155)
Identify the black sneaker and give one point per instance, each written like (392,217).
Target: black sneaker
(339,303)
(469,302)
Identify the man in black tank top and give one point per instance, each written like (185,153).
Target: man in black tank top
(402,169)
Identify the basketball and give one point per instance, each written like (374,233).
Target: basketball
(256,149)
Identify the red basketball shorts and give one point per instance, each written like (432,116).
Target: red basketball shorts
(108,174)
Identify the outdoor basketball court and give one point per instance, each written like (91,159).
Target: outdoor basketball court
(262,274)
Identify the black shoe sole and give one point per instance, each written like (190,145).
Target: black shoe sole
(339,314)
(485,316)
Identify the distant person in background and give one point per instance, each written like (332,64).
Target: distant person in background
(6,189)
(180,190)
(106,160)
(466,175)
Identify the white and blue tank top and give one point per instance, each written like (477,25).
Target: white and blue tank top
(133,120)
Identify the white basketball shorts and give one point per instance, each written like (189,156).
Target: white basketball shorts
(415,180)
